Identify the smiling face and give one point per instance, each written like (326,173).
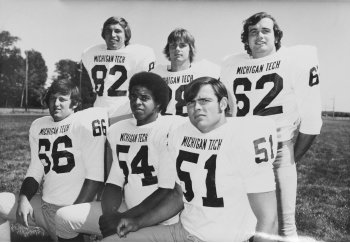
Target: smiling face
(60,106)
(205,111)
(143,105)
(114,36)
(261,38)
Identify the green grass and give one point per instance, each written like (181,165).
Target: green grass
(14,161)
(323,201)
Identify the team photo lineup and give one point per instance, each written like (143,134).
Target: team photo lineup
(188,150)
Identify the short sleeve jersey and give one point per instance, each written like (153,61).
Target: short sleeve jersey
(140,158)
(284,86)
(177,82)
(217,169)
(111,70)
(65,153)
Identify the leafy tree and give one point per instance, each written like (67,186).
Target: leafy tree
(7,42)
(11,70)
(13,73)
(37,76)
(68,69)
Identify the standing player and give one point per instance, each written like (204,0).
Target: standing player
(66,156)
(225,176)
(108,67)
(282,83)
(180,51)
(140,169)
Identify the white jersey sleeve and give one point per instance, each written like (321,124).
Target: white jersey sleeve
(117,175)
(35,169)
(93,130)
(159,140)
(258,150)
(307,89)
(146,58)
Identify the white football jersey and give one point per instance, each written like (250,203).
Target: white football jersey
(177,82)
(111,70)
(284,86)
(140,158)
(217,169)
(65,153)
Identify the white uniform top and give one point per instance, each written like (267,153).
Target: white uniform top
(284,86)
(216,171)
(140,159)
(65,153)
(111,70)
(177,82)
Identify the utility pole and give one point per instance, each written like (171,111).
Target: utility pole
(26,82)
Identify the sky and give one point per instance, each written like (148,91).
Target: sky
(62,29)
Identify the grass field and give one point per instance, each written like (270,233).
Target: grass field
(323,202)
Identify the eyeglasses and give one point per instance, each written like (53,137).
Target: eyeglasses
(201,102)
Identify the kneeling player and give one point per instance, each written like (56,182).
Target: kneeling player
(66,156)
(140,166)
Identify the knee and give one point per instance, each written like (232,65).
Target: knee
(63,222)
(7,202)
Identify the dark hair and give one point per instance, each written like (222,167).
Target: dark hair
(254,20)
(122,22)
(180,34)
(65,87)
(193,88)
(155,84)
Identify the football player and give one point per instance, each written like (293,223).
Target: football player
(180,50)
(140,169)
(66,157)
(108,67)
(283,83)
(224,167)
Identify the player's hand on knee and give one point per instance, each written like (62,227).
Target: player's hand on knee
(23,210)
(108,224)
(127,225)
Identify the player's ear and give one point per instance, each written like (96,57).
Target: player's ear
(158,106)
(74,105)
(223,104)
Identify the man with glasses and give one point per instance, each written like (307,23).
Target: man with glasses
(224,167)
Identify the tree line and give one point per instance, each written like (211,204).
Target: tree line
(16,69)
